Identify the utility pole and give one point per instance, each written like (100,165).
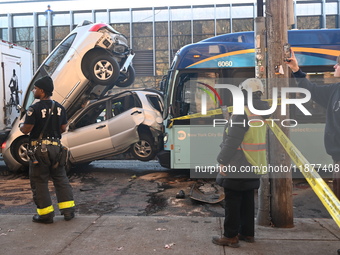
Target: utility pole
(278,74)
(263,213)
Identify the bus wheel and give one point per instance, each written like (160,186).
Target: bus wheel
(144,149)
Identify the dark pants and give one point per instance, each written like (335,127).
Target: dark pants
(239,213)
(336,179)
(39,176)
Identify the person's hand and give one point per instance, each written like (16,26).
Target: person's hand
(292,63)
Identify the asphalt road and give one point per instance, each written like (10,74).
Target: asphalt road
(134,188)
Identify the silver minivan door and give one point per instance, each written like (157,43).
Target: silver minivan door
(90,137)
(123,128)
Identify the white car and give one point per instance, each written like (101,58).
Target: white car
(86,64)
(130,120)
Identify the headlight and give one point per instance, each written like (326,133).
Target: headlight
(165,138)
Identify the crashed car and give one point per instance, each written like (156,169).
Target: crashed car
(86,64)
(128,121)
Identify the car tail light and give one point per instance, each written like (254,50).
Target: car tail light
(97,27)
(3,145)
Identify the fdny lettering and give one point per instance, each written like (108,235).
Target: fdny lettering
(43,112)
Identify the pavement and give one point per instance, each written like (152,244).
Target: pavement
(145,235)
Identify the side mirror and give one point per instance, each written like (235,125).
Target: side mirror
(22,111)
(72,126)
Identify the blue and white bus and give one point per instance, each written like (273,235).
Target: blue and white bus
(191,139)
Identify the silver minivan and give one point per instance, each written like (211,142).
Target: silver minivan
(127,121)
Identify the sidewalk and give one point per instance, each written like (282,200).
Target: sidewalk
(145,235)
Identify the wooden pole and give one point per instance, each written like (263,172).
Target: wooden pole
(277,73)
(263,212)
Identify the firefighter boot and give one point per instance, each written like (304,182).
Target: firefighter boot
(46,218)
(68,213)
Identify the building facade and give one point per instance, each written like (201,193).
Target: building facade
(155,33)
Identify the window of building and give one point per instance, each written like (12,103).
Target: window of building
(180,14)
(308,9)
(122,28)
(180,34)
(331,21)
(240,25)
(162,48)
(161,14)
(142,16)
(79,17)
(121,16)
(222,26)
(203,29)
(60,19)
(203,13)
(222,12)
(101,16)
(308,22)
(142,36)
(23,37)
(4,28)
(59,33)
(242,11)
(22,20)
(42,44)
(142,44)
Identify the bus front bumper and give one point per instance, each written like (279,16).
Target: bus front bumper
(164,158)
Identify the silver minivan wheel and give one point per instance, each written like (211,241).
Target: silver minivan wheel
(144,149)
(19,150)
(126,79)
(104,70)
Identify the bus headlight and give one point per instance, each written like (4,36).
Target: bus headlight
(165,138)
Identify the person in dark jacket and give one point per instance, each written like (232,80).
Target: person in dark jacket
(327,96)
(243,146)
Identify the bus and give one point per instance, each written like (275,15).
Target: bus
(192,137)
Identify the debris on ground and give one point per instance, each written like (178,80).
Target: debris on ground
(206,192)
(180,194)
(168,246)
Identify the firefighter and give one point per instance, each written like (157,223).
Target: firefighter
(47,156)
(243,148)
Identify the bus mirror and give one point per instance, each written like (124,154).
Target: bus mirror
(162,83)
